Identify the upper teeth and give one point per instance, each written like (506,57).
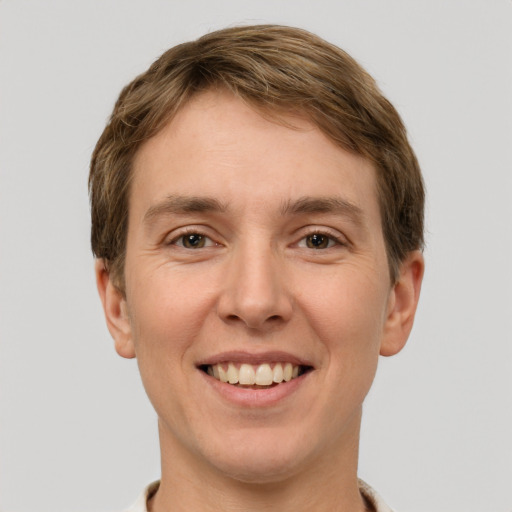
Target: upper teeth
(249,375)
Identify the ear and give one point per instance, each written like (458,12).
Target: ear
(116,314)
(402,304)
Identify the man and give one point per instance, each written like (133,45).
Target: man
(257,218)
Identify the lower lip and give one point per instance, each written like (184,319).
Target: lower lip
(247,397)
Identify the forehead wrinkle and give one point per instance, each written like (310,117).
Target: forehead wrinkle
(179,204)
(335,205)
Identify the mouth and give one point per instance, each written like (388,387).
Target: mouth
(255,376)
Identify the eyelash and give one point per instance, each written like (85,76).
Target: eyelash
(189,232)
(337,241)
(332,240)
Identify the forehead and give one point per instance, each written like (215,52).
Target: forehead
(219,146)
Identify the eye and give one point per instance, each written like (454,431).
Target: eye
(193,241)
(318,241)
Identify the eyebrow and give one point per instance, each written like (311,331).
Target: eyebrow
(334,205)
(183,204)
(178,204)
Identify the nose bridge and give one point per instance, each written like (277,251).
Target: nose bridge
(255,292)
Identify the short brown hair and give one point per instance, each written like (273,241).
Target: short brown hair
(277,70)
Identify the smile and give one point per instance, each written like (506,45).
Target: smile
(261,375)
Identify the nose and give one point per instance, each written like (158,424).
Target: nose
(255,293)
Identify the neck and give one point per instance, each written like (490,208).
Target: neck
(326,483)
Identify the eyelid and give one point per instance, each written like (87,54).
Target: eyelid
(177,234)
(335,235)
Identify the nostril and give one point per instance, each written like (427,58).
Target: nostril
(272,318)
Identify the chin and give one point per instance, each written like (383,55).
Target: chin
(260,472)
(262,461)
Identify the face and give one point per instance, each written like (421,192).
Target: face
(255,256)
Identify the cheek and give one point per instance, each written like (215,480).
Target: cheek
(169,311)
(346,309)
(162,323)
(163,329)
(169,301)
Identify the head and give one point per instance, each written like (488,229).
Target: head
(282,72)
(257,209)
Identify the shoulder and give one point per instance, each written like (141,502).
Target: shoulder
(373,498)
(140,504)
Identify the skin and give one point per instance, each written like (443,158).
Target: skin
(258,285)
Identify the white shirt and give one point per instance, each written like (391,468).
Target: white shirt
(370,495)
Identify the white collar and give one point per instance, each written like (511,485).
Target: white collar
(369,494)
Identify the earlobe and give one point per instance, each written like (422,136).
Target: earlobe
(402,304)
(116,315)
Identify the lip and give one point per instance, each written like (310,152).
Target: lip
(250,397)
(255,398)
(238,356)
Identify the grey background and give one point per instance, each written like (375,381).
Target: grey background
(76,430)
